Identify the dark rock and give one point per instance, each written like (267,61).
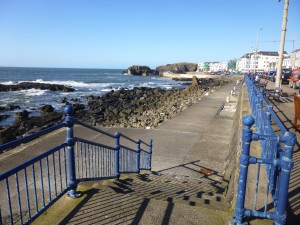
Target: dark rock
(9,107)
(30,85)
(47,108)
(7,135)
(139,70)
(195,84)
(19,116)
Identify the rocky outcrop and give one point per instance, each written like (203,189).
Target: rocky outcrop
(143,107)
(177,68)
(139,70)
(25,125)
(195,84)
(30,85)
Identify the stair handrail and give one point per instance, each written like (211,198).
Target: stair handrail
(55,169)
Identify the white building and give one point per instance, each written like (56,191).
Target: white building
(260,61)
(286,64)
(218,66)
(212,66)
(295,58)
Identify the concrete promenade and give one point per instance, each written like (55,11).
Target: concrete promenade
(193,141)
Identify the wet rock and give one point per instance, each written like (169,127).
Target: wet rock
(23,115)
(7,135)
(47,108)
(30,85)
(9,107)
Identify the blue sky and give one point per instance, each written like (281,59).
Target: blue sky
(120,33)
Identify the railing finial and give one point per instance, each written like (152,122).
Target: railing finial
(248,121)
(68,110)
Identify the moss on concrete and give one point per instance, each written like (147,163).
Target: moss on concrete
(61,208)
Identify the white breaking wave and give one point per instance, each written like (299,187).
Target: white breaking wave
(71,83)
(33,92)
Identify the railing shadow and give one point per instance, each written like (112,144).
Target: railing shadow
(125,200)
(203,172)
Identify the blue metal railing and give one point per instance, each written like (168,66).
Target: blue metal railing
(30,188)
(276,156)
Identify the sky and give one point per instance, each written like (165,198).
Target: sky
(120,33)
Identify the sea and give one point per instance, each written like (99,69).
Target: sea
(86,82)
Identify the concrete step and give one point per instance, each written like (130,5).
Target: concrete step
(128,202)
(102,205)
(168,188)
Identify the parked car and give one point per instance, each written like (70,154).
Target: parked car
(285,75)
(294,79)
(272,75)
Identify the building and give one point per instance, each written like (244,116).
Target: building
(286,64)
(259,61)
(218,66)
(212,66)
(295,59)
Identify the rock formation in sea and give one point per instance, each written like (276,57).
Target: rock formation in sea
(30,85)
(139,70)
(182,67)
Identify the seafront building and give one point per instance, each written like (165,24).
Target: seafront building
(260,61)
(264,61)
(212,66)
(295,58)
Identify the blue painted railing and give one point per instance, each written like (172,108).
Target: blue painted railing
(30,188)
(276,156)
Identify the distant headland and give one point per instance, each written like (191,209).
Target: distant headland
(175,68)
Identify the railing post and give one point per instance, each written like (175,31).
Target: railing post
(268,112)
(248,121)
(138,155)
(150,153)
(286,164)
(69,121)
(117,153)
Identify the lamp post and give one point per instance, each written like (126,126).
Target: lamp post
(255,56)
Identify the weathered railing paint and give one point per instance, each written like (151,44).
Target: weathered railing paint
(30,188)
(277,159)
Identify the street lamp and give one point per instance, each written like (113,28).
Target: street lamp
(255,56)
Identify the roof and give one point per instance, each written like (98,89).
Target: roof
(267,53)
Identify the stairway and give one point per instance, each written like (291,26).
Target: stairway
(151,198)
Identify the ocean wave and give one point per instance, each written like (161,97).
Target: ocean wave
(8,82)
(72,83)
(33,92)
